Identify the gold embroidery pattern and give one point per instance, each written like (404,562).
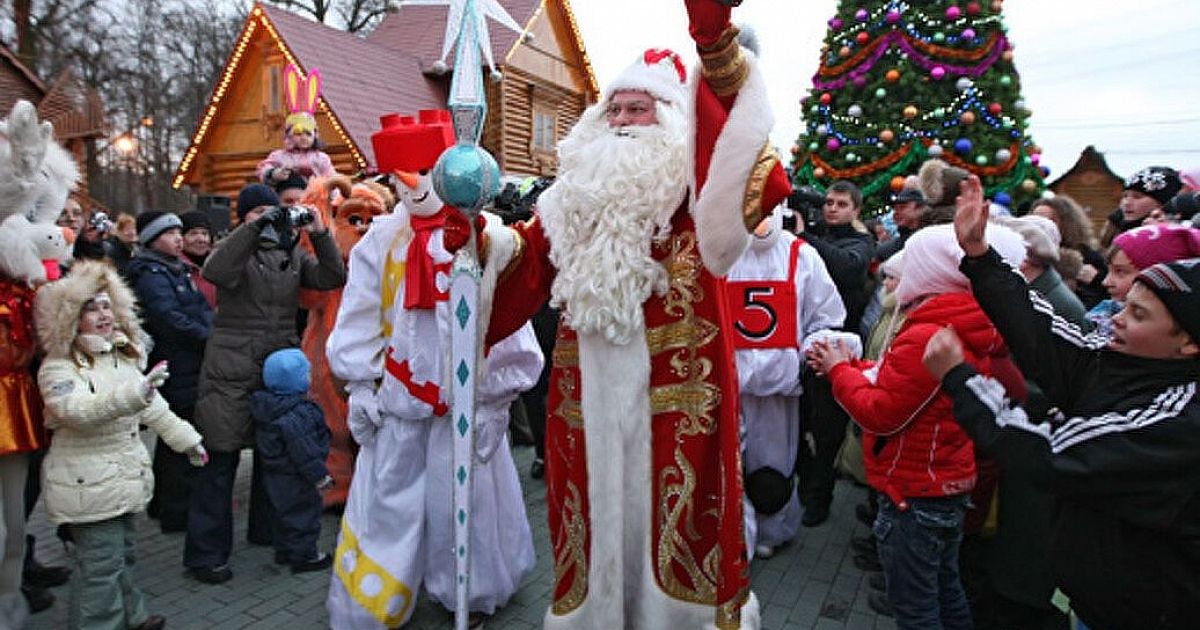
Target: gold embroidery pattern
(572,554)
(519,246)
(723,64)
(566,353)
(752,210)
(694,399)
(729,614)
(675,505)
(570,410)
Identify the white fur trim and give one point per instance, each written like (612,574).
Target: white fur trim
(718,208)
(660,80)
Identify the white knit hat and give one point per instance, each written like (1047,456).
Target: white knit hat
(658,72)
(932,255)
(1041,235)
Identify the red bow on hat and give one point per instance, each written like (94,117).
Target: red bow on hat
(655,55)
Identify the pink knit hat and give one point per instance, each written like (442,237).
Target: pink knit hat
(932,255)
(1159,243)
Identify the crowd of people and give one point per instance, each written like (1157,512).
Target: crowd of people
(708,355)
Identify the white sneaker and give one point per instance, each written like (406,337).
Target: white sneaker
(764,551)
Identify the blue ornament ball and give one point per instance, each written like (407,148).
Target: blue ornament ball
(962,145)
(1003,199)
(466,177)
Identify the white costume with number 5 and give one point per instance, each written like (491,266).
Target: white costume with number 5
(769,366)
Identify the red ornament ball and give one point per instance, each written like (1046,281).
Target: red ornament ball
(973,8)
(862,38)
(826,98)
(967,117)
(995,108)
(892,75)
(887,135)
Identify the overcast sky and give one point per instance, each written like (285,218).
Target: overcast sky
(1118,74)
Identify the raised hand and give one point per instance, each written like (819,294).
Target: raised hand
(970,217)
(943,353)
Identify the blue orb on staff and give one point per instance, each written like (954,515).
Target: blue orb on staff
(467,177)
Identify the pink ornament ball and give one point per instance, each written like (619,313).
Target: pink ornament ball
(953,12)
(938,73)
(861,15)
(893,16)
(1035,158)
(835,23)
(833,144)
(968,33)
(859,80)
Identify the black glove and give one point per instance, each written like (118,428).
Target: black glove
(266,218)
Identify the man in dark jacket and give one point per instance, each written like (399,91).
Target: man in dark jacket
(907,208)
(258,271)
(1121,452)
(179,320)
(292,439)
(847,254)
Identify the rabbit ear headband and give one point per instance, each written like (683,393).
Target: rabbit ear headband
(302,95)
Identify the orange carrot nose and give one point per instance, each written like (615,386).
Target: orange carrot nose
(69,235)
(412,180)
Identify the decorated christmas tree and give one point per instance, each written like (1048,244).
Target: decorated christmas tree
(903,81)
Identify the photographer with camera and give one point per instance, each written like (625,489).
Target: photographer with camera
(98,240)
(847,252)
(258,272)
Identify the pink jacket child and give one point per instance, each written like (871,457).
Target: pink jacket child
(301,152)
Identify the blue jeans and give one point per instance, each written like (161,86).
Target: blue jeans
(918,549)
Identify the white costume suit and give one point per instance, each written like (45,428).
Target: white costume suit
(397,532)
(769,378)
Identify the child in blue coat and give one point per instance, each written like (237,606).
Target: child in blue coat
(293,441)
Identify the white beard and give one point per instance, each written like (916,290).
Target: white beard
(616,193)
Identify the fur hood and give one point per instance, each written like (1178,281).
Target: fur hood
(58,305)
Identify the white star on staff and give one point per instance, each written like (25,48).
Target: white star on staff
(483,10)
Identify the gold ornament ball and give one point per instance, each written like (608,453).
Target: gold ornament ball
(844,52)
(1007,55)
(892,75)
(897,183)
(997,5)
(819,173)
(967,118)
(1029,185)
(910,111)
(887,135)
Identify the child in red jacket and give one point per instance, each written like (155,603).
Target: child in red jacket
(916,456)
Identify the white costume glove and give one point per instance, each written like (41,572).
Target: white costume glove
(197,456)
(155,378)
(363,411)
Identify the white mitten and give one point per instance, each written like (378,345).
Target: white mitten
(155,378)
(197,456)
(363,411)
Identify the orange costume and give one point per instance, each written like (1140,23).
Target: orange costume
(348,217)
(678,556)
(21,429)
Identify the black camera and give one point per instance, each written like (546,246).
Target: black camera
(294,216)
(808,203)
(100,222)
(515,201)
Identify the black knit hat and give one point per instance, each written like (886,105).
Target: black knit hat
(253,196)
(294,180)
(1177,284)
(195,219)
(1183,206)
(1159,182)
(152,223)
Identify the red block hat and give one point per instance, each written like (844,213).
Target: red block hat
(412,144)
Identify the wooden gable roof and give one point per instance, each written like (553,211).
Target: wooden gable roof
(386,72)
(1090,160)
(360,80)
(17,81)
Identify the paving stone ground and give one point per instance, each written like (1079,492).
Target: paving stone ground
(810,584)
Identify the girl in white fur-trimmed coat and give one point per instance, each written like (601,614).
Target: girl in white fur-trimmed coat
(97,473)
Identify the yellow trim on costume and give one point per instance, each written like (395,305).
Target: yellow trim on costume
(756,184)
(393,275)
(367,571)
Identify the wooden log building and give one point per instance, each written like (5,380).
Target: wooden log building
(547,82)
(1093,185)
